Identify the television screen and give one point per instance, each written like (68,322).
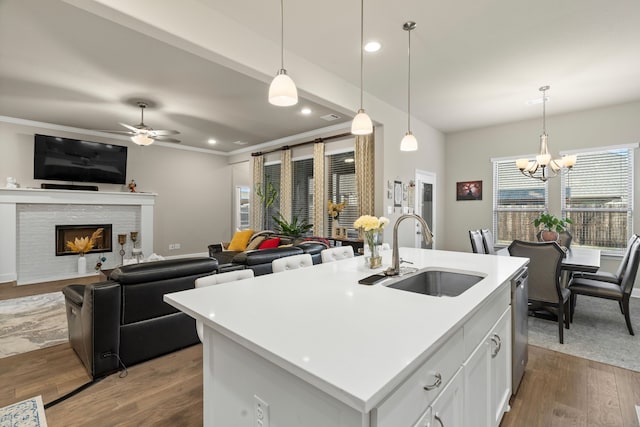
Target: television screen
(65,159)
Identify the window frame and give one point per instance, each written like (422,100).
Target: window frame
(566,180)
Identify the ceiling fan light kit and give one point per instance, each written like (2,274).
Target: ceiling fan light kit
(142,134)
(361,124)
(282,91)
(544,166)
(142,139)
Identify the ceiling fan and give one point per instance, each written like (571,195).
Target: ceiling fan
(142,134)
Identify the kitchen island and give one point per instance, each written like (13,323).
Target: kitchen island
(312,347)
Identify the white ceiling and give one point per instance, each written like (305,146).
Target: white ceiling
(474,63)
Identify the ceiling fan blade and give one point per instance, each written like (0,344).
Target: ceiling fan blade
(118,132)
(166,139)
(161,132)
(131,128)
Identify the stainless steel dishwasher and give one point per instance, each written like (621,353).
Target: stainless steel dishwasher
(519,327)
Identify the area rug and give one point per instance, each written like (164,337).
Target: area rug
(28,413)
(31,323)
(598,332)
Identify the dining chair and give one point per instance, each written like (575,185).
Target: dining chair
(337,253)
(606,276)
(477,246)
(608,290)
(545,292)
(216,279)
(291,262)
(487,241)
(564,238)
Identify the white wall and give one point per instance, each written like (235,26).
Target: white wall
(468,157)
(193,188)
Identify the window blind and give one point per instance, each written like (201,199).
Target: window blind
(272,175)
(302,197)
(342,188)
(517,201)
(597,195)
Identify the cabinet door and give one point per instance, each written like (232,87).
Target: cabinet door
(477,387)
(448,408)
(500,341)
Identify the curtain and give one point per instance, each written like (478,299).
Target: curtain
(256,203)
(365,173)
(319,198)
(285,183)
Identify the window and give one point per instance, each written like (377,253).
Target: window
(302,197)
(517,201)
(597,196)
(342,187)
(272,176)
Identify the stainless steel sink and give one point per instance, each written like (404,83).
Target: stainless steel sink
(437,283)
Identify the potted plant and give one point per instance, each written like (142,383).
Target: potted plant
(552,226)
(294,228)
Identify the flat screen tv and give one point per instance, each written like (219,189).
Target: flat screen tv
(65,159)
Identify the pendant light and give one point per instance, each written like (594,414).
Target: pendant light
(361,124)
(544,167)
(409,142)
(282,92)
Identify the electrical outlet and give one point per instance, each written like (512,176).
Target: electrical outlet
(176,246)
(172,246)
(261,412)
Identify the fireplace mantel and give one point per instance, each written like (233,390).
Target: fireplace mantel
(12,199)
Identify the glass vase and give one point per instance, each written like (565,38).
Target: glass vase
(373,239)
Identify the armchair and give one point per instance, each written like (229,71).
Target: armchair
(125,321)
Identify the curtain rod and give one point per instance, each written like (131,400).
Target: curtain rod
(287,147)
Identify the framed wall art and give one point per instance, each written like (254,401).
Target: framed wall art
(397,194)
(469,190)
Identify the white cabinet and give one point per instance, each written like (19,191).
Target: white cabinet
(487,375)
(448,409)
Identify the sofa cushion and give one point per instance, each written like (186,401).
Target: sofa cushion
(270,243)
(255,243)
(240,240)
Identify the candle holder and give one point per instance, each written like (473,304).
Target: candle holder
(122,239)
(135,251)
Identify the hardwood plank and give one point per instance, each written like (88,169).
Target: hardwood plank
(9,290)
(603,406)
(628,387)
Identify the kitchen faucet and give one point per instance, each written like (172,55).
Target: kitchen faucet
(394,270)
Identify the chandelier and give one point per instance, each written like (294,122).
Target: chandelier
(544,167)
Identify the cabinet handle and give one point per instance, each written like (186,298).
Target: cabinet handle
(435,384)
(437,418)
(498,342)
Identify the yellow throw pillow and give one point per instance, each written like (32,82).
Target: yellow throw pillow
(240,240)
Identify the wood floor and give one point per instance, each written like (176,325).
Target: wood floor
(557,390)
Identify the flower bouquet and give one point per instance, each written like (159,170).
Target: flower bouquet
(82,245)
(371,228)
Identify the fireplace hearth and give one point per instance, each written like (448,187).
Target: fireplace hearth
(66,233)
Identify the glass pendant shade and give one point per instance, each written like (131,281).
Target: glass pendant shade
(409,143)
(361,124)
(142,139)
(283,92)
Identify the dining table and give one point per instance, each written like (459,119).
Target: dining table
(576,259)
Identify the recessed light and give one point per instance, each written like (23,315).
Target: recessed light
(212,141)
(372,46)
(306,111)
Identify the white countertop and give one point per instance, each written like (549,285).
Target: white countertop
(355,342)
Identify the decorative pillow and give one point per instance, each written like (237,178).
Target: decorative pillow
(240,240)
(270,243)
(255,243)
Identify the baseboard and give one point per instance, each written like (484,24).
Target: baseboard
(635,293)
(12,277)
(196,255)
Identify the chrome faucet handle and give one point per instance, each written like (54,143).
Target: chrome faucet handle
(405,261)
